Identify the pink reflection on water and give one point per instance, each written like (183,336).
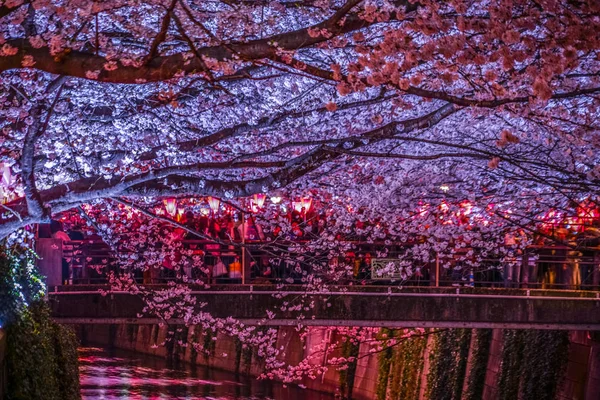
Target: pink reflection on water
(108,375)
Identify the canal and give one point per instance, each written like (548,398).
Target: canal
(116,374)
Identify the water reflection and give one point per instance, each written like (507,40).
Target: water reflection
(113,374)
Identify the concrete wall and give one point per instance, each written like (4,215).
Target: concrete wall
(396,310)
(581,380)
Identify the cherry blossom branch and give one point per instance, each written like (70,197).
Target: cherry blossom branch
(35,205)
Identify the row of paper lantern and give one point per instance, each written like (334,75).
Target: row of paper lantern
(256,204)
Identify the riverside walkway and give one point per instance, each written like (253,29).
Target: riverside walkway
(392,307)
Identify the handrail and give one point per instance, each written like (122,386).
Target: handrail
(366,294)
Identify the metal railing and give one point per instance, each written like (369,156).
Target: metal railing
(553,267)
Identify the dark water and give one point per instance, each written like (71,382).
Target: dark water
(112,375)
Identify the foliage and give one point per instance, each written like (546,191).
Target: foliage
(350,350)
(542,371)
(407,365)
(20,284)
(385,361)
(510,367)
(67,362)
(243,356)
(533,363)
(41,358)
(447,366)
(209,343)
(448,125)
(481,352)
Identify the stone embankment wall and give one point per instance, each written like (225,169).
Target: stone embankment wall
(451,364)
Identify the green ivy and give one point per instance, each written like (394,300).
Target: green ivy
(385,361)
(209,344)
(41,358)
(193,351)
(510,368)
(20,284)
(407,365)
(65,345)
(349,349)
(481,354)
(543,370)
(448,363)
(533,364)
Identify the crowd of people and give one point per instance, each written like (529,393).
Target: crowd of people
(224,243)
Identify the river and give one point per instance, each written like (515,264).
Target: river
(118,375)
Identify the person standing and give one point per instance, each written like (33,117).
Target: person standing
(235,271)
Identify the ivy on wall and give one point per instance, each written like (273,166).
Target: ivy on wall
(41,356)
(543,370)
(20,284)
(479,361)
(407,366)
(448,363)
(385,361)
(510,369)
(533,364)
(208,345)
(349,349)
(243,357)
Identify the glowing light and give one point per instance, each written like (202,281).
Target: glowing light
(445,188)
(214,203)
(259,200)
(306,203)
(204,211)
(297,206)
(276,199)
(180,212)
(171,206)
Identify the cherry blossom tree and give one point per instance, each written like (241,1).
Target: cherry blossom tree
(445,124)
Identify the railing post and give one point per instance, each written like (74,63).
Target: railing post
(596,271)
(437,270)
(525,269)
(243,249)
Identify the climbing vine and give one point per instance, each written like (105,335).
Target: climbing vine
(41,358)
(448,363)
(350,351)
(533,364)
(243,356)
(481,354)
(209,344)
(385,361)
(20,283)
(543,370)
(510,368)
(406,369)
